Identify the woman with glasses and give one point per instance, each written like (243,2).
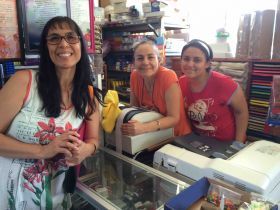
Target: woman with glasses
(155,88)
(41,114)
(215,103)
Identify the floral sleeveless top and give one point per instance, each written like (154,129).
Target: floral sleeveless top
(27,184)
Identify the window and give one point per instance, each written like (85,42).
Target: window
(205,17)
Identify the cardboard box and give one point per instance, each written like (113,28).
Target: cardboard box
(104,3)
(276,39)
(243,36)
(192,197)
(262,23)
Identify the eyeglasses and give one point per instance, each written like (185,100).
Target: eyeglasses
(70,38)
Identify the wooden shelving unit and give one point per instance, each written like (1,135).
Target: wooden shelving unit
(119,61)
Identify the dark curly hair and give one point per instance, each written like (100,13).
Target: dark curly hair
(48,84)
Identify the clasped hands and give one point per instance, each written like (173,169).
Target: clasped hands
(69,144)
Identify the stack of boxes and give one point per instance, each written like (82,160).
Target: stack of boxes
(121,10)
(255,35)
(154,9)
(127,10)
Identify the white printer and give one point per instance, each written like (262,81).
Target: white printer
(134,144)
(255,168)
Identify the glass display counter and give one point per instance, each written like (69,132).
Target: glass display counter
(109,180)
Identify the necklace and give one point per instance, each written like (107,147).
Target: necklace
(66,102)
(151,93)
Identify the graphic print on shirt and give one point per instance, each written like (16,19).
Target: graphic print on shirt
(37,175)
(199,115)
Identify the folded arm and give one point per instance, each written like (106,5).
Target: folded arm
(172,101)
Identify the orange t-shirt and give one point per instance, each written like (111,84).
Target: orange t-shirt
(164,79)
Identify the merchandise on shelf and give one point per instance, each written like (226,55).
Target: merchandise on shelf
(262,74)
(273,119)
(238,71)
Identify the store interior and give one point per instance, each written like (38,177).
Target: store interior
(157,170)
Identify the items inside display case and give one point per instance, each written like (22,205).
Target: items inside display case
(264,178)
(78,203)
(125,185)
(210,194)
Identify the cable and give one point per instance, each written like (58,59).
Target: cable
(135,156)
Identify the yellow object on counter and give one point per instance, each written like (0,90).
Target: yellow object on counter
(111,111)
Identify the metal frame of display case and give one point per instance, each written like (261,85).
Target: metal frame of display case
(93,197)
(100,202)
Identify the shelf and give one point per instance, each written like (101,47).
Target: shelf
(143,25)
(171,23)
(26,67)
(117,72)
(134,28)
(123,92)
(246,60)
(125,103)
(121,52)
(230,60)
(265,60)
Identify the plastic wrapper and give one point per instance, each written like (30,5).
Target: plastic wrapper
(257,203)
(223,198)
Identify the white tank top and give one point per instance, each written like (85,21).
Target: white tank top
(29,183)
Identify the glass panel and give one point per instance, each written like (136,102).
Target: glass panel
(80,203)
(126,184)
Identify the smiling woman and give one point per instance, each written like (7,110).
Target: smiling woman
(64,47)
(155,88)
(221,116)
(41,114)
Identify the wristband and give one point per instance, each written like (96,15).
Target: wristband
(94,149)
(158,124)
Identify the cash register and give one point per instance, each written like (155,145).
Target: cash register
(255,168)
(134,144)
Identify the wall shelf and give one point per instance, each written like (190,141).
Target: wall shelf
(143,25)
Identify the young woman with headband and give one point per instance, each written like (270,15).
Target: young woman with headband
(214,103)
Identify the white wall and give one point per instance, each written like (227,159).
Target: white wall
(206,16)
